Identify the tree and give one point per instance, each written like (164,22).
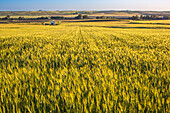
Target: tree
(21,18)
(154,17)
(137,17)
(166,17)
(85,17)
(103,17)
(109,17)
(97,17)
(80,16)
(43,17)
(7,17)
(76,13)
(55,17)
(142,17)
(147,17)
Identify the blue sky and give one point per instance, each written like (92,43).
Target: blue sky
(18,5)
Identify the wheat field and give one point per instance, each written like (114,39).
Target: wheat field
(83,67)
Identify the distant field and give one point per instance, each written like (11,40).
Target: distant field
(38,13)
(115,14)
(80,67)
(72,14)
(34,14)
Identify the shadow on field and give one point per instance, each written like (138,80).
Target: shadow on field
(150,23)
(94,20)
(3,22)
(135,27)
(9,27)
(122,27)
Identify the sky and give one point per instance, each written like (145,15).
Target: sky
(34,5)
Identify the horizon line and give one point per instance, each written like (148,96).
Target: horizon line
(84,10)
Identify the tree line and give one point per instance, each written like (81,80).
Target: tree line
(80,16)
(23,18)
(103,17)
(150,17)
(83,16)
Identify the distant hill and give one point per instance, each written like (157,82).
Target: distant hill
(90,13)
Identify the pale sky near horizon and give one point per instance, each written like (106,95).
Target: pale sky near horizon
(22,5)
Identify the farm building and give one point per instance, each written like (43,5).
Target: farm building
(52,23)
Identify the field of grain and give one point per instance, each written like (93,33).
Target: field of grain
(120,66)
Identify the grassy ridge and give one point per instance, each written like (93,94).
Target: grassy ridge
(84,67)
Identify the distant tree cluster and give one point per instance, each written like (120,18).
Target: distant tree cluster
(81,16)
(52,17)
(75,13)
(21,18)
(43,17)
(79,12)
(100,17)
(103,17)
(6,18)
(57,17)
(39,18)
(166,17)
(84,12)
(149,17)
